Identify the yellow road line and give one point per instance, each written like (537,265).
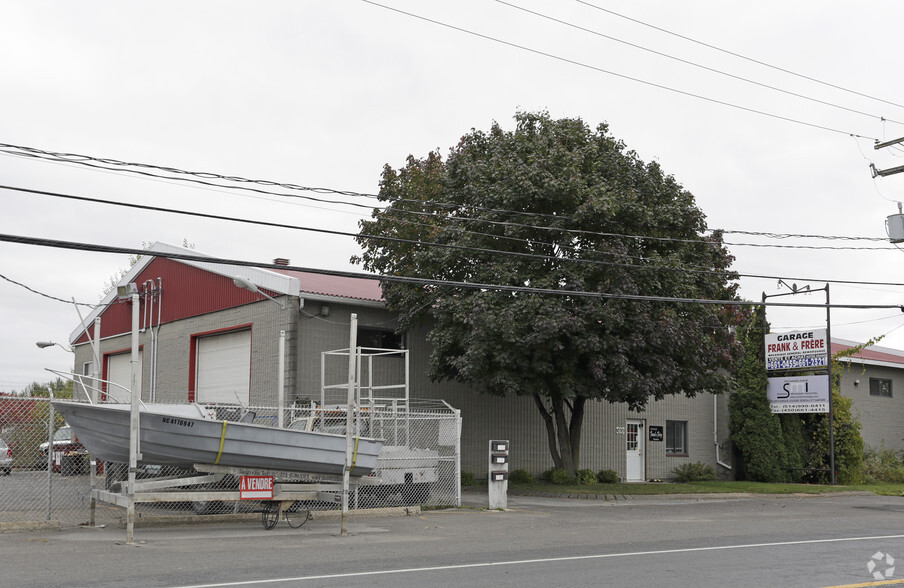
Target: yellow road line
(876,583)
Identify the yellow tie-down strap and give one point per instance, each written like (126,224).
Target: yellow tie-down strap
(222,439)
(354,457)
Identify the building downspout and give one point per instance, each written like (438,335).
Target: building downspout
(716,432)
(155,339)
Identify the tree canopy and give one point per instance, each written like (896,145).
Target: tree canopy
(557,206)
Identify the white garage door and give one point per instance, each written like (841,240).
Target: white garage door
(119,372)
(223,368)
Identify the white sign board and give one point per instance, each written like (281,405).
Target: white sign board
(797,350)
(798,394)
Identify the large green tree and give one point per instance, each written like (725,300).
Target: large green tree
(557,206)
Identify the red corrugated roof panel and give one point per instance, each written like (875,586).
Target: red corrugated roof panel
(870,354)
(345,287)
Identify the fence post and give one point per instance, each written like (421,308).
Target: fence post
(49,457)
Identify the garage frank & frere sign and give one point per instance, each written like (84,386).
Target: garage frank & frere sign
(797,350)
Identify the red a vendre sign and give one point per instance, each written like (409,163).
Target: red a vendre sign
(256,488)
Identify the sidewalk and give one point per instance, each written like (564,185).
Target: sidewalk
(476,496)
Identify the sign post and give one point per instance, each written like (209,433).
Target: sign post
(796,351)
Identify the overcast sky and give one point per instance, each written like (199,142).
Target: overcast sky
(325,93)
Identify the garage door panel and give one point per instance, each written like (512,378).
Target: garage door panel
(223,365)
(119,372)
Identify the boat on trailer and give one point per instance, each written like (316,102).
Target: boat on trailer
(188,434)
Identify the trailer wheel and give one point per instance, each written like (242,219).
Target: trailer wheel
(270,514)
(296,515)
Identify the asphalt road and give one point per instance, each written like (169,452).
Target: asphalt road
(779,541)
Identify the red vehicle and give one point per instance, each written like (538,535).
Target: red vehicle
(64,441)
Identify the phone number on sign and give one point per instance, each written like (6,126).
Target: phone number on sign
(798,362)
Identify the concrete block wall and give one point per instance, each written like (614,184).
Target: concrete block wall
(881,418)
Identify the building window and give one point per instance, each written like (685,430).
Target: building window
(880,387)
(676,437)
(372,338)
(87,368)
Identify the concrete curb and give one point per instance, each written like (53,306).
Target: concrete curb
(20,526)
(689,496)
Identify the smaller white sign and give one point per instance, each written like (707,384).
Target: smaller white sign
(798,394)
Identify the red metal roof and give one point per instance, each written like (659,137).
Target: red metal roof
(187,292)
(871,354)
(345,287)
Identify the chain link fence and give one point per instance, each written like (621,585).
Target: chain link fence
(46,472)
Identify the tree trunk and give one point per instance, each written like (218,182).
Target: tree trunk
(550,432)
(563,430)
(576,426)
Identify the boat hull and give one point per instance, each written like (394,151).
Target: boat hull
(178,435)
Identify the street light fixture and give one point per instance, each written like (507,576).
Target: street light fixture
(46,344)
(243,282)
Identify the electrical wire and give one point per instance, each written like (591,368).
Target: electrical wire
(726,273)
(698,65)
(738,55)
(87,161)
(339,233)
(43,155)
(449,284)
(615,74)
(30,289)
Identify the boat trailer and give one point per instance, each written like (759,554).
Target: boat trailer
(289,489)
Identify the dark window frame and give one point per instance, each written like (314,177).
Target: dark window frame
(880,387)
(672,447)
(376,338)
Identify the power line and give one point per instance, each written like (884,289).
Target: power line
(84,160)
(803,236)
(738,55)
(200,178)
(96,248)
(727,273)
(30,289)
(334,232)
(618,75)
(698,65)
(88,161)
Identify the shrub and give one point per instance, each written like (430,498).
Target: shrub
(547,475)
(468,479)
(521,477)
(607,477)
(560,477)
(694,472)
(586,477)
(882,465)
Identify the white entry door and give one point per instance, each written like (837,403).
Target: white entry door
(634,446)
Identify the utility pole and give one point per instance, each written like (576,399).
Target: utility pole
(894,223)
